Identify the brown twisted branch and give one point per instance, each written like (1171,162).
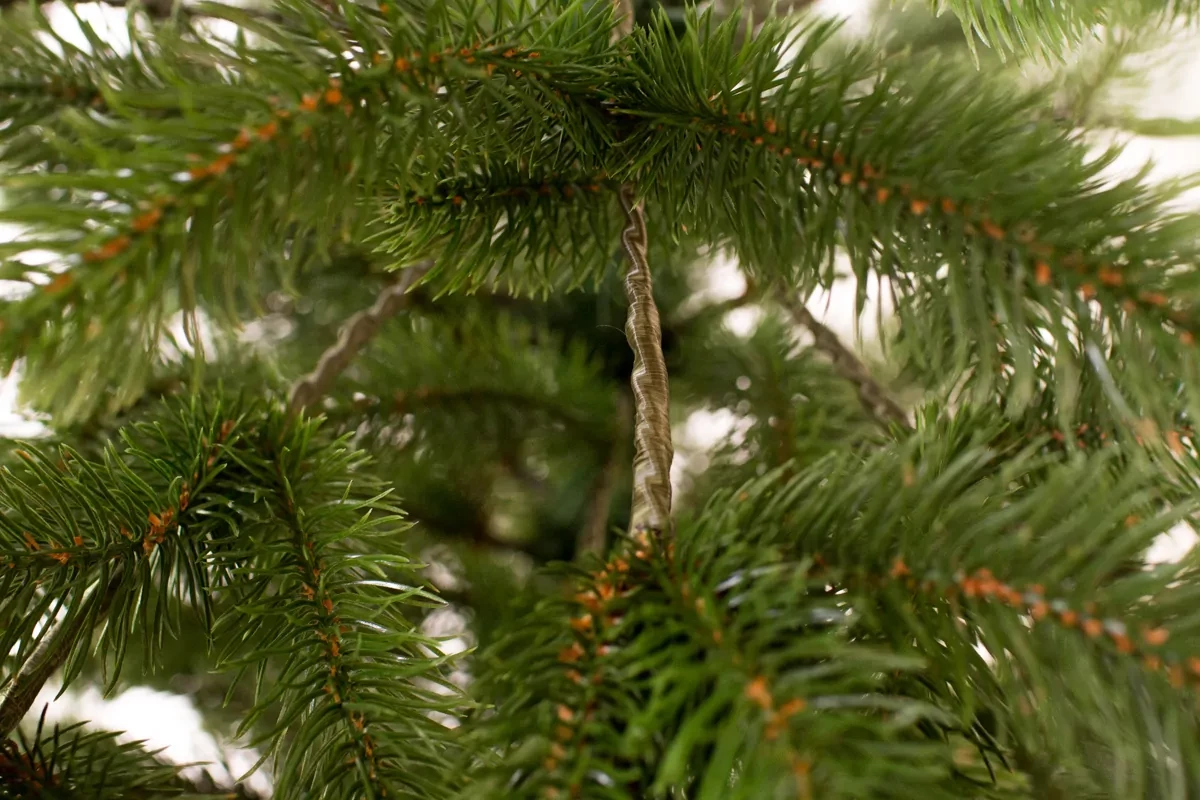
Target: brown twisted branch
(652,423)
(354,335)
(874,398)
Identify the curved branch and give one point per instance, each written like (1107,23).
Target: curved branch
(873,397)
(355,334)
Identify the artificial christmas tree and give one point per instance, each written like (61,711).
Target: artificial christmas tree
(324,306)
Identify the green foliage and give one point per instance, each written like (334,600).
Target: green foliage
(1044,27)
(277,157)
(85,542)
(947,547)
(958,194)
(319,592)
(924,561)
(842,611)
(939,181)
(275,521)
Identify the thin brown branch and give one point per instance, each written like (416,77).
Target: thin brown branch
(874,398)
(593,537)
(653,450)
(355,334)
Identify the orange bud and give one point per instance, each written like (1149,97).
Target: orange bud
(758,693)
(1093,627)
(793,706)
(919,207)
(60,283)
(1042,273)
(1175,676)
(145,222)
(1156,637)
(1109,276)
(571,654)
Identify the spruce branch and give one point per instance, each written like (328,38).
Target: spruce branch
(653,450)
(319,593)
(353,336)
(66,532)
(875,399)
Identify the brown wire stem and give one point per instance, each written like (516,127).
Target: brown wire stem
(652,423)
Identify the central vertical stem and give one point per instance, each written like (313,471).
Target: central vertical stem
(652,423)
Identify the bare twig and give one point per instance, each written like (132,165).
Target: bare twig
(593,537)
(624,11)
(652,423)
(874,397)
(354,335)
(717,309)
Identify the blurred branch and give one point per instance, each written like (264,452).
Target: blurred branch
(593,537)
(155,9)
(718,309)
(874,397)
(355,334)
(424,397)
